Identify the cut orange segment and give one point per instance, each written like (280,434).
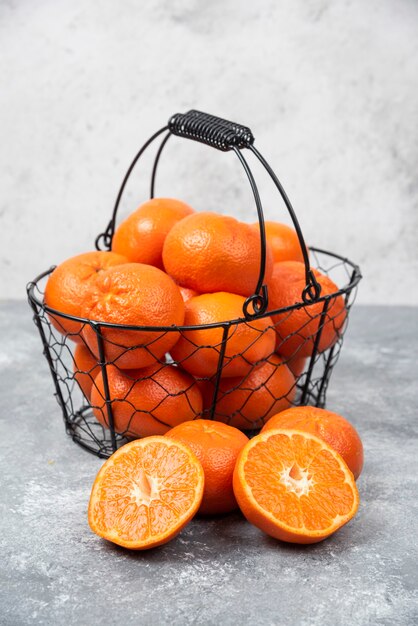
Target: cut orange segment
(145,493)
(294,486)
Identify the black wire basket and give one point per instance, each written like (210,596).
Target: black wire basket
(104,404)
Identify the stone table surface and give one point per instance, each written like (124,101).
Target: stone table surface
(53,570)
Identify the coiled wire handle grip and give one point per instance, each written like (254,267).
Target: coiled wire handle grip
(224,135)
(213,131)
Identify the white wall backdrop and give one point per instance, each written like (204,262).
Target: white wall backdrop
(329,89)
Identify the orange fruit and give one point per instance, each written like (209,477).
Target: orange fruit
(85,368)
(145,493)
(248,402)
(198,350)
(216,446)
(140,237)
(283,240)
(208,252)
(297,329)
(146,402)
(296,364)
(69,283)
(331,427)
(294,486)
(187,293)
(138,295)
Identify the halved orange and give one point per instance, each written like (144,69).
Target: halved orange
(294,486)
(145,493)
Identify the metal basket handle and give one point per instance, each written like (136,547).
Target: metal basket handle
(213,131)
(224,135)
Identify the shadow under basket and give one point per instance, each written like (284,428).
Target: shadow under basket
(213,376)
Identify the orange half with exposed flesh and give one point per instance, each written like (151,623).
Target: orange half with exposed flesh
(145,493)
(294,486)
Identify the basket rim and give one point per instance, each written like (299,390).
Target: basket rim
(355,278)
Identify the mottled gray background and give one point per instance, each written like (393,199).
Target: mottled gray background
(329,89)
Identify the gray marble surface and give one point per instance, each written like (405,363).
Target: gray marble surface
(53,570)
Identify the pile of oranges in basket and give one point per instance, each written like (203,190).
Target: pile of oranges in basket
(163,310)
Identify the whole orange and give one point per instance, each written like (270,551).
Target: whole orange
(248,402)
(283,240)
(198,350)
(138,295)
(85,368)
(69,283)
(208,252)
(331,427)
(296,364)
(148,401)
(140,237)
(217,447)
(187,293)
(297,329)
